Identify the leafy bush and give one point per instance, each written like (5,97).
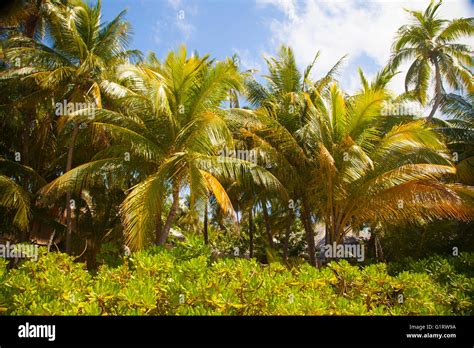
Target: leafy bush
(454,274)
(186,280)
(438,237)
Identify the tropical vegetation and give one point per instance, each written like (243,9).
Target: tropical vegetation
(224,184)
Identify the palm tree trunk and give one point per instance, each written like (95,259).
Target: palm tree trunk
(438,89)
(25,139)
(306,220)
(267,225)
(30,25)
(237,215)
(159,227)
(205,231)
(91,256)
(70,154)
(171,215)
(287,235)
(251,232)
(327,237)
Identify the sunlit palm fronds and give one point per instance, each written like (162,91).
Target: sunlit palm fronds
(430,43)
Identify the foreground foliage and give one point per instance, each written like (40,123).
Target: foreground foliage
(100,145)
(188,280)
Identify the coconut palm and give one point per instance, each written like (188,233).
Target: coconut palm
(431,44)
(169,121)
(365,174)
(275,129)
(31,17)
(83,55)
(347,168)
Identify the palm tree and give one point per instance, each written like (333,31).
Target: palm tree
(347,168)
(31,17)
(275,129)
(83,55)
(365,174)
(169,120)
(16,184)
(459,133)
(430,43)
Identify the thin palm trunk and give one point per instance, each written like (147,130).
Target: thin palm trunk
(25,158)
(287,234)
(205,231)
(159,227)
(171,215)
(306,220)
(251,232)
(70,154)
(237,216)
(25,139)
(31,24)
(91,256)
(438,90)
(267,225)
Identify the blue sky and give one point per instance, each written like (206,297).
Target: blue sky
(220,27)
(363,29)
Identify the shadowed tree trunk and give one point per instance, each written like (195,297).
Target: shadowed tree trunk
(267,225)
(70,154)
(163,236)
(287,234)
(205,231)
(251,232)
(25,139)
(31,23)
(327,237)
(306,220)
(237,215)
(159,227)
(91,256)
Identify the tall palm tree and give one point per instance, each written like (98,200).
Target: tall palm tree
(275,129)
(366,174)
(83,55)
(347,168)
(169,119)
(430,43)
(31,17)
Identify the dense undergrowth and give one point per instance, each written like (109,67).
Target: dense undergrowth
(188,280)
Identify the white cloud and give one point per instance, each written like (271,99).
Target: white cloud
(183,25)
(247,60)
(287,6)
(175,4)
(157,33)
(337,27)
(178,19)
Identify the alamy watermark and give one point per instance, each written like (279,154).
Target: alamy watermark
(37,331)
(19,251)
(401,109)
(243,155)
(66,108)
(343,251)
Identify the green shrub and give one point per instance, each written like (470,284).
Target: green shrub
(186,280)
(454,274)
(438,237)
(54,284)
